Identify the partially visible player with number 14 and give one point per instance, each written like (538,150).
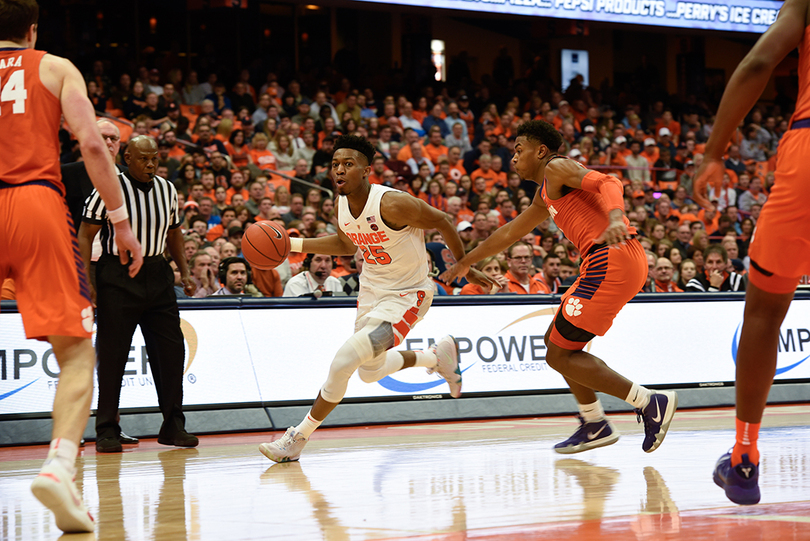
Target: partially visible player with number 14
(395,291)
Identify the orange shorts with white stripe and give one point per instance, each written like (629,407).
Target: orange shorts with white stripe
(403,309)
(38,249)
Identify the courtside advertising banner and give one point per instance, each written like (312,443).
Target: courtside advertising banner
(734,16)
(218,369)
(239,356)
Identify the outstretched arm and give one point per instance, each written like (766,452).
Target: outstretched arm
(401,209)
(503,238)
(745,88)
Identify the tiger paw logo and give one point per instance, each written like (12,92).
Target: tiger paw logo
(573,307)
(87,319)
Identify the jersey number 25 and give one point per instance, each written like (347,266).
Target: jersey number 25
(375,255)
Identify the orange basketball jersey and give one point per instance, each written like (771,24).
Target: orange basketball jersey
(29,120)
(581,215)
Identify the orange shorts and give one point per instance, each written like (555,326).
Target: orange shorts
(780,248)
(610,277)
(38,249)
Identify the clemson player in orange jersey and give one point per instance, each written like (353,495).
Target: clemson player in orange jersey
(775,271)
(38,246)
(589,207)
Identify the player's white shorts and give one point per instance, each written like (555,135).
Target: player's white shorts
(403,309)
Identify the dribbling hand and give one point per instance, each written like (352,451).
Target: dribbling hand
(128,246)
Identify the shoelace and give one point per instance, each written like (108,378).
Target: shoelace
(641,418)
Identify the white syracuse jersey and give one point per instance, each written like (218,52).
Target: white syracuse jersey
(394,260)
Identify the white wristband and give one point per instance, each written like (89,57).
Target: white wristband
(296,244)
(118,215)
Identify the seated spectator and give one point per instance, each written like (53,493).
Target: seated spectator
(519,256)
(686,271)
(715,276)
(638,166)
(550,275)
(261,157)
(435,149)
(493,268)
(568,272)
(236,271)
(316,280)
(417,159)
(434,196)
(754,195)
(662,277)
(203,273)
(283,150)
(238,149)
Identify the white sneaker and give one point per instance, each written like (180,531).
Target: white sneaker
(54,487)
(285,449)
(446,351)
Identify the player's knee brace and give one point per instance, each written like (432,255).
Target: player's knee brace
(363,346)
(382,365)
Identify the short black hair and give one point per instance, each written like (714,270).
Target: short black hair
(541,132)
(358,143)
(16,17)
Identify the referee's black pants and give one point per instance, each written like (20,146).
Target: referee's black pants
(123,303)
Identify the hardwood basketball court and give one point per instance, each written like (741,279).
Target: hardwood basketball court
(487,480)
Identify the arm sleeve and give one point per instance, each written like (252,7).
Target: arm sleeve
(609,187)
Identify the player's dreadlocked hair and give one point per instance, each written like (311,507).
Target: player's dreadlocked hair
(358,143)
(541,132)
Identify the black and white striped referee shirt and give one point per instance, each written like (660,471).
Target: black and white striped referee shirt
(152,209)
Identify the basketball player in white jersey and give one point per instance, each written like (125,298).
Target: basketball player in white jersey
(395,291)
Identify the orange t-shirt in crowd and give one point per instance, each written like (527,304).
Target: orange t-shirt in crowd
(473,289)
(457,171)
(231,192)
(239,156)
(669,287)
(535,287)
(712,226)
(491,177)
(558,122)
(373,178)
(177,151)
(465,215)
(263,159)
(652,158)
(405,153)
(339,271)
(674,127)
(268,282)
(433,152)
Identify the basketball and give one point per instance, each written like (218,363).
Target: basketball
(265,245)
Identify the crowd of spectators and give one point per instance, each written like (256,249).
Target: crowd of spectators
(239,153)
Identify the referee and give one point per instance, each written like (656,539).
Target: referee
(147,300)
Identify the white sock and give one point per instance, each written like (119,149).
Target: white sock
(426,358)
(308,425)
(639,396)
(66,452)
(592,412)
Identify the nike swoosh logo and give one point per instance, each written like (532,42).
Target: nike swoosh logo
(277,232)
(346,225)
(403,294)
(657,418)
(592,435)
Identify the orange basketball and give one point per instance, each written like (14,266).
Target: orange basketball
(265,245)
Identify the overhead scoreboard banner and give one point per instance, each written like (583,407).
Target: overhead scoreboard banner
(265,355)
(735,16)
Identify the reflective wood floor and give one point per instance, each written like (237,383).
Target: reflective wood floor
(483,480)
